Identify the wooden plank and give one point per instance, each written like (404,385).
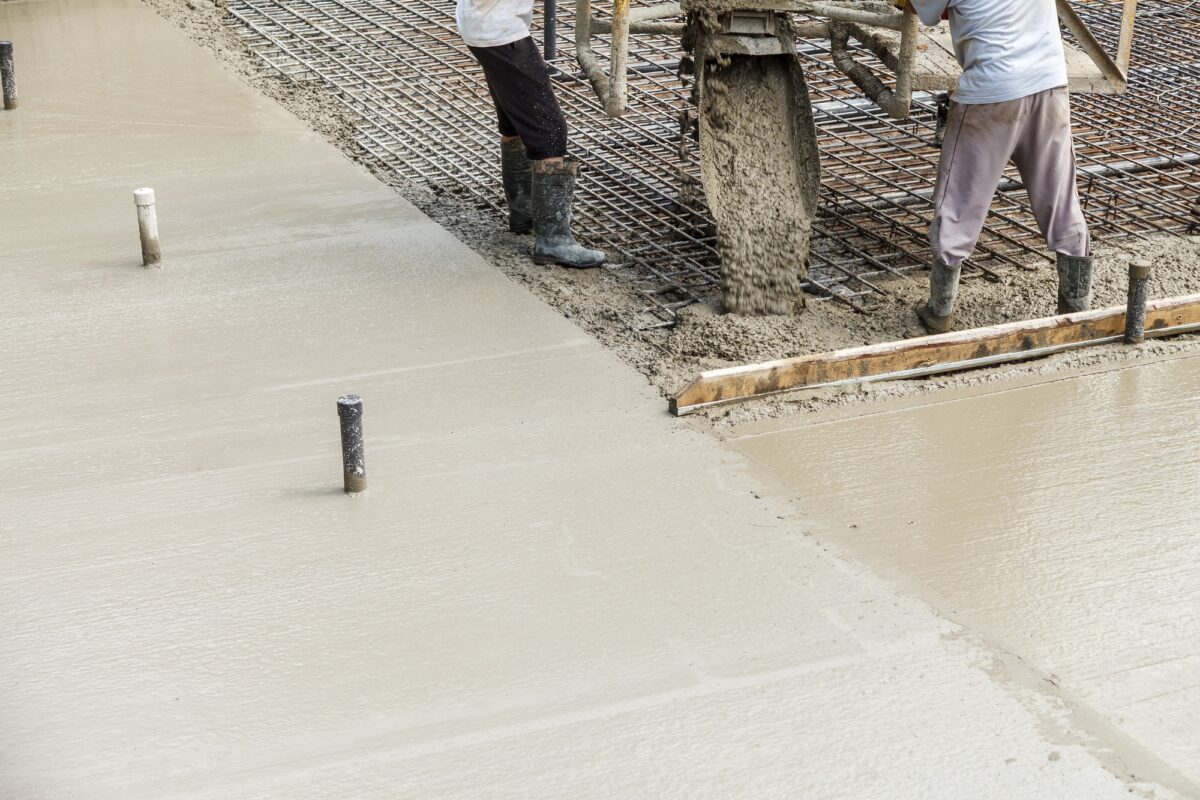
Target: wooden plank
(936,68)
(929,355)
(1113,75)
(1125,44)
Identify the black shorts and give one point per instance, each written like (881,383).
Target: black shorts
(524,96)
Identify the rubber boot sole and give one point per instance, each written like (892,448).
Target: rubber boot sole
(548,260)
(931,322)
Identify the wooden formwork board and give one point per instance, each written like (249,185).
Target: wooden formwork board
(931,355)
(936,68)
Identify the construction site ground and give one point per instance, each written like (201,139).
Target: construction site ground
(608,305)
(551,588)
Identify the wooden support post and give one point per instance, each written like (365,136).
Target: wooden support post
(1089,44)
(931,355)
(1125,43)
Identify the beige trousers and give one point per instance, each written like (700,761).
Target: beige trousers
(1035,132)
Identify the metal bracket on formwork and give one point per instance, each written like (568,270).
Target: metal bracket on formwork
(934,355)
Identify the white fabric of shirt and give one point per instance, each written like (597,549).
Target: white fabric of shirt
(492,23)
(1008,49)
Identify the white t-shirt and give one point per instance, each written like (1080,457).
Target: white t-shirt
(1008,49)
(491,23)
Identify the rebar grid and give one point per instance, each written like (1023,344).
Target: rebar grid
(423,112)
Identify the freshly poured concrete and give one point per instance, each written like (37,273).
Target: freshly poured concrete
(547,591)
(1061,520)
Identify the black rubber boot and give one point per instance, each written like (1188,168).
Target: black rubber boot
(553,188)
(517,172)
(1074,283)
(937,315)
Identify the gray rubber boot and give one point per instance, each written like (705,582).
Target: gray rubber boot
(938,314)
(517,172)
(553,188)
(1074,283)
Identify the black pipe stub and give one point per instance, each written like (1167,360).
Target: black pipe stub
(1135,310)
(550,34)
(354,468)
(8,77)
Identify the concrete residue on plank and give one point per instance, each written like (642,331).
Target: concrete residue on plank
(761,170)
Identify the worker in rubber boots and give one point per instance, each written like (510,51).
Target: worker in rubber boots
(539,176)
(1011,103)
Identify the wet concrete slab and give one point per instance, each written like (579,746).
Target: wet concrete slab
(549,589)
(1060,520)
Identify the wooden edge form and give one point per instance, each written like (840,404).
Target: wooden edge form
(929,355)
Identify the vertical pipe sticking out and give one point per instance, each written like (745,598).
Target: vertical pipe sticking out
(148,227)
(354,467)
(550,21)
(8,77)
(1135,311)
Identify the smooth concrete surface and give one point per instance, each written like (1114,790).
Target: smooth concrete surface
(549,590)
(1061,520)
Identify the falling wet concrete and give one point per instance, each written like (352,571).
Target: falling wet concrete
(549,589)
(1060,520)
(761,168)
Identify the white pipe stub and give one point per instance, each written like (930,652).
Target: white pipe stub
(148,226)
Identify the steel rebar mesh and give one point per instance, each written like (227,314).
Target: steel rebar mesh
(423,112)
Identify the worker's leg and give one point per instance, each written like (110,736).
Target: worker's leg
(978,142)
(520,83)
(1045,155)
(516,170)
